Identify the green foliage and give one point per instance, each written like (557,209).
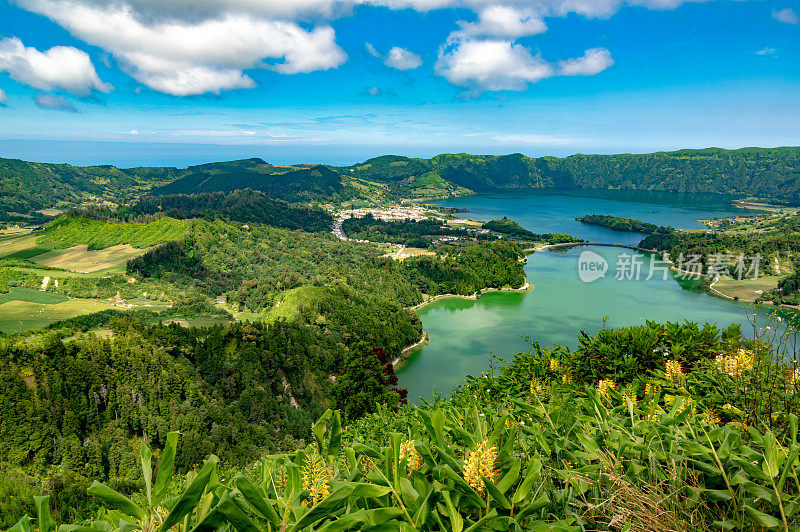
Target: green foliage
(305,183)
(246,206)
(69,230)
(615,223)
(769,236)
(366,382)
(413,233)
(762,172)
(514,230)
(31,186)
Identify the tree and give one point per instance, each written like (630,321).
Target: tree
(365,382)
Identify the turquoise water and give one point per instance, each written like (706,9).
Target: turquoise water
(465,334)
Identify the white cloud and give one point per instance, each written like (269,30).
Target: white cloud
(787,16)
(60,67)
(3,97)
(767,51)
(504,21)
(182,57)
(374,91)
(187,48)
(371,50)
(55,102)
(402,59)
(491,65)
(592,62)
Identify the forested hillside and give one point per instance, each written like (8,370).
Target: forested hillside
(769,173)
(762,172)
(27,187)
(294,184)
(246,206)
(331,316)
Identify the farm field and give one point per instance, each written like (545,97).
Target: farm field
(747,290)
(80,259)
(17,316)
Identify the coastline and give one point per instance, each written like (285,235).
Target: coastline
(526,287)
(407,351)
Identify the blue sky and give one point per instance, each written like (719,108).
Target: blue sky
(177,82)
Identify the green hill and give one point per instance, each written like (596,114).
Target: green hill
(26,187)
(311,183)
(772,173)
(766,173)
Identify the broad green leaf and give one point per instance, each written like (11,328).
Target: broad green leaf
(456,521)
(770,464)
(214,520)
(335,439)
(254,498)
(326,507)
(166,468)
(478,525)
(346,522)
(318,429)
(44,521)
(534,469)
(235,516)
(147,471)
(111,498)
(510,478)
(192,495)
(23,525)
(761,518)
(495,494)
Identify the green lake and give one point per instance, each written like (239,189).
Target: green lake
(466,333)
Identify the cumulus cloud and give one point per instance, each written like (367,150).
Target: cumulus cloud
(495,65)
(402,59)
(184,58)
(491,65)
(504,21)
(55,102)
(592,62)
(60,67)
(787,16)
(3,97)
(206,46)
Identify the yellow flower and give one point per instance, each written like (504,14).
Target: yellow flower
(675,373)
(651,388)
(555,365)
(604,387)
(630,393)
(409,453)
(794,379)
(535,386)
(566,378)
(711,417)
(737,364)
(480,463)
(316,479)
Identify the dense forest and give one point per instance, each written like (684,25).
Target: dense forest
(76,407)
(775,239)
(420,234)
(766,173)
(245,205)
(656,427)
(512,229)
(762,172)
(616,223)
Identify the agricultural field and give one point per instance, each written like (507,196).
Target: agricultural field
(30,312)
(80,259)
(747,290)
